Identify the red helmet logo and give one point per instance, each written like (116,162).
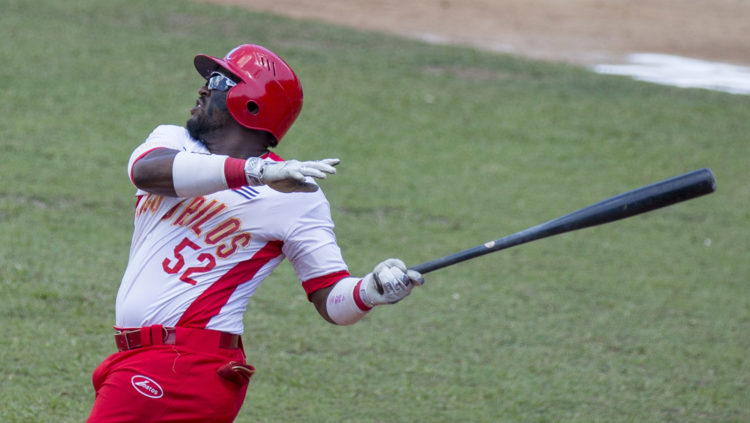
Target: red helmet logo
(269,97)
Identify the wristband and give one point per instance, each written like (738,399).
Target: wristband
(344,305)
(200,174)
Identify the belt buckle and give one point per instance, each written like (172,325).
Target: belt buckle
(124,334)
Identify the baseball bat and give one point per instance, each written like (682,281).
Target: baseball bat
(650,197)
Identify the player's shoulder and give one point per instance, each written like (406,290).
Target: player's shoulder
(169,131)
(173,136)
(297,204)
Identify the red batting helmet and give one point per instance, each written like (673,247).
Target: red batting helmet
(269,97)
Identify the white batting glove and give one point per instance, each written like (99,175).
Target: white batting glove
(389,283)
(288,176)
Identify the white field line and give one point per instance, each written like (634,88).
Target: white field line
(682,72)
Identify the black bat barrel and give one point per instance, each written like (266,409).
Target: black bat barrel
(661,194)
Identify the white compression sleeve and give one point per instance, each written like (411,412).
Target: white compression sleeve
(200,174)
(344,305)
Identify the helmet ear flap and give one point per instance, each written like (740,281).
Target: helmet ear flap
(243,106)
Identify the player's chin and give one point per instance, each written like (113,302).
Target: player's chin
(195,126)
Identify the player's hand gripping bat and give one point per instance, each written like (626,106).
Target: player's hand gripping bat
(661,194)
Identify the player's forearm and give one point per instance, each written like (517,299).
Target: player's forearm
(173,173)
(341,304)
(319,298)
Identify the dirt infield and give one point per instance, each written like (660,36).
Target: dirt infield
(577,31)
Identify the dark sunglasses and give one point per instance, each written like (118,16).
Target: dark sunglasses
(219,81)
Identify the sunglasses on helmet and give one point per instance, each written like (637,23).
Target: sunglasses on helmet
(219,81)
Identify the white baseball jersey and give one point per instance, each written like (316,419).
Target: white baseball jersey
(196,261)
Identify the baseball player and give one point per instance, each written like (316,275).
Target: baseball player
(215,213)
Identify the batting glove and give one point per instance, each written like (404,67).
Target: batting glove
(288,176)
(389,283)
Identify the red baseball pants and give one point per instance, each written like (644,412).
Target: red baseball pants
(189,379)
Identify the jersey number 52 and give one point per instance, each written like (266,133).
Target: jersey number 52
(172,267)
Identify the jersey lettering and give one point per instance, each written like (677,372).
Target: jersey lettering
(191,209)
(226,250)
(151,203)
(194,215)
(172,211)
(223,230)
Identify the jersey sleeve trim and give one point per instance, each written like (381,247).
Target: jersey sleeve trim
(320,282)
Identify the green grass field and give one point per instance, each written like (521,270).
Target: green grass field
(644,320)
